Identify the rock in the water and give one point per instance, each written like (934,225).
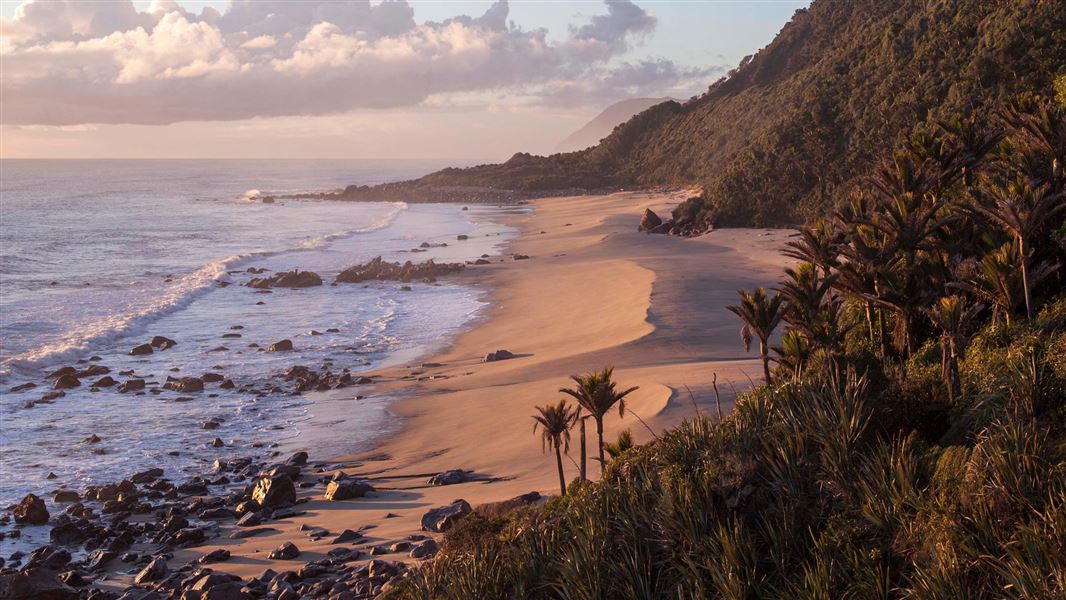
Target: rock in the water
(649,220)
(131,385)
(286,551)
(347,489)
(66,496)
(153,571)
(289,279)
(184,384)
(274,491)
(29,385)
(31,510)
(282,346)
(65,382)
(450,477)
(379,270)
(498,355)
(425,549)
(162,343)
(442,518)
(106,381)
(141,350)
(35,583)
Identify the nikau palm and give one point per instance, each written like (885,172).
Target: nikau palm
(555,422)
(596,393)
(761,315)
(952,314)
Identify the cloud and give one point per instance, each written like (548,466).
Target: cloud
(78,61)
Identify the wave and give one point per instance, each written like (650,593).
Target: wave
(178,294)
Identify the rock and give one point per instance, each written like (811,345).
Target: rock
(425,549)
(217,443)
(241,534)
(184,384)
(504,507)
(92,439)
(217,555)
(347,536)
(211,377)
(379,270)
(141,350)
(289,279)
(482,261)
(31,510)
(649,220)
(131,385)
(61,371)
(210,425)
(282,346)
(65,382)
(442,518)
(106,381)
(66,496)
(153,571)
(147,476)
(450,477)
(498,355)
(347,489)
(274,491)
(299,459)
(462,237)
(400,547)
(53,395)
(35,583)
(519,257)
(162,343)
(286,551)
(25,386)
(249,519)
(227,384)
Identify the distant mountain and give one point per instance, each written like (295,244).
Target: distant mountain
(605,122)
(803,121)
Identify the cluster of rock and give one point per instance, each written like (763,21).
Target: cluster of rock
(138,523)
(499,355)
(289,279)
(380,270)
(652,223)
(304,379)
(158,343)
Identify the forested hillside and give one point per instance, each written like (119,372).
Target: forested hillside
(806,118)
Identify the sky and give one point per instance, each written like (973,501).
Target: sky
(464,80)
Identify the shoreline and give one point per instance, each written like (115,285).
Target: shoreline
(593,293)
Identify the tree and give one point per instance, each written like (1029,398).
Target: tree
(596,393)
(555,421)
(1023,212)
(819,245)
(952,315)
(624,442)
(761,315)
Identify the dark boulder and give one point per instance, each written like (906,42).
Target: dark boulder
(35,584)
(141,350)
(131,385)
(443,518)
(153,571)
(184,384)
(65,382)
(288,279)
(162,343)
(106,381)
(450,477)
(499,355)
(282,346)
(286,551)
(31,510)
(425,549)
(649,220)
(347,489)
(379,270)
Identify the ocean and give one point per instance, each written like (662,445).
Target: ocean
(97,257)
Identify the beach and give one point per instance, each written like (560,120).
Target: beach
(593,292)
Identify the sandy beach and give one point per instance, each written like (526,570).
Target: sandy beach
(593,293)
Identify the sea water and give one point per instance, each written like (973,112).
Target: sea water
(100,256)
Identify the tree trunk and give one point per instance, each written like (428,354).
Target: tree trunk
(765,361)
(559,462)
(870,321)
(1025,279)
(584,472)
(599,437)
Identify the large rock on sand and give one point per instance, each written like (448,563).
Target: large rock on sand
(649,220)
(443,518)
(35,583)
(274,491)
(347,489)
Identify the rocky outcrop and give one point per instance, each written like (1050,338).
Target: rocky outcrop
(131,385)
(499,355)
(142,350)
(443,518)
(31,510)
(289,279)
(379,270)
(65,382)
(347,489)
(184,384)
(305,380)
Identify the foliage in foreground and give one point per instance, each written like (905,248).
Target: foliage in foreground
(819,489)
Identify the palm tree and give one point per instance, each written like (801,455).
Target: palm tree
(805,291)
(555,421)
(624,442)
(1023,212)
(952,314)
(596,393)
(793,353)
(998,283)
(819,245)
(761,315)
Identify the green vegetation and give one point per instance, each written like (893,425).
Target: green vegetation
(912,442)
(555,422)
(800,124)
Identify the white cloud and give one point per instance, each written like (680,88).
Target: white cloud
(73,62)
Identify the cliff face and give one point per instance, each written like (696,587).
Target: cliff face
(812,113)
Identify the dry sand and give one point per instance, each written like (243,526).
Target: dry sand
(595,292)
